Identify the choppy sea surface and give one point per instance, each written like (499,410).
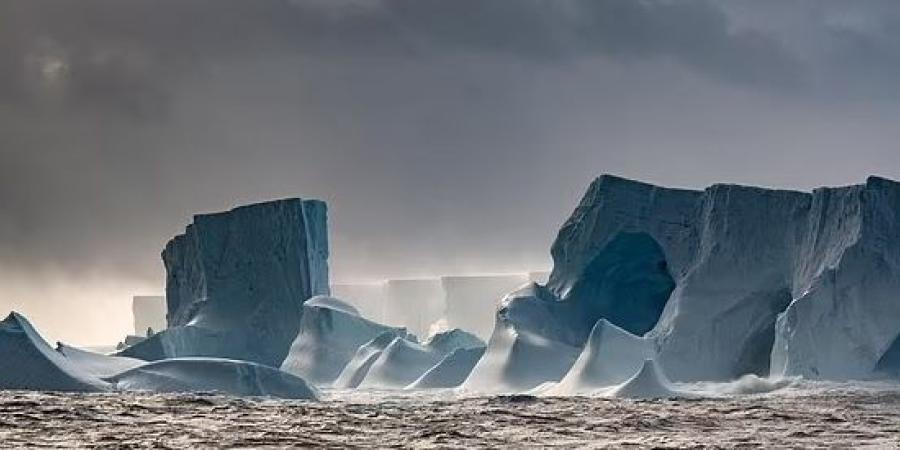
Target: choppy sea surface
(802,415)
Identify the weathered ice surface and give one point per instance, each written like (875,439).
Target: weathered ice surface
(451,371)
(368,298)
(96,364)
(413,303)
(706,274)
(403,361)
(331,331)
(355,371)
(28,362)
(845,312)
(611,356)
(224,376)
(236,282)
(149,313)
(471,301)
(646,383)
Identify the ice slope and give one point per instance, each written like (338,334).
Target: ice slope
(238,279)
(451,371)
(96,364)
(399,364)
(647,383)
(611,356)
(331,331)
(27,362)
(356,370)
(705,275)
(472,300)
(533,342)
(225,376)
(403,361)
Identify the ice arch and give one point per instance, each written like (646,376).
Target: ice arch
(627,283)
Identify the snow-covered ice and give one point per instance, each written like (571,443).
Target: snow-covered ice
(331,332)
(611,356)
(723,282)
(231,377)
(96,364)
(28,362)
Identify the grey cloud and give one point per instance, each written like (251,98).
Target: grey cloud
(447,136)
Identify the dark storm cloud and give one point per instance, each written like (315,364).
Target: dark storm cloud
(130,54)
(447,135)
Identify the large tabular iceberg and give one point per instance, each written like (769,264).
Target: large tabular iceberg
(720,282)
(236,282)
(330,334)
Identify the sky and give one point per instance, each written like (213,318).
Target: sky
(448,137)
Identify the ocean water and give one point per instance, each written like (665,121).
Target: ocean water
(797,416)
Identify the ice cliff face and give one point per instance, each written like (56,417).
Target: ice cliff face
(237,281)
(722,282)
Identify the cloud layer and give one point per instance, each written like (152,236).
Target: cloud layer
(447,136)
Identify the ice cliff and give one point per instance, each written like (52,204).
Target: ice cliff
(236,282)
(720,282)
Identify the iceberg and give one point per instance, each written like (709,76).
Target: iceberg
(611,356)
(230,377)
(356,370)
(331,331)
(27,362)
(236,282)
(403,361)
(647,383)
(720,282)
(451,371)
(95,364)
